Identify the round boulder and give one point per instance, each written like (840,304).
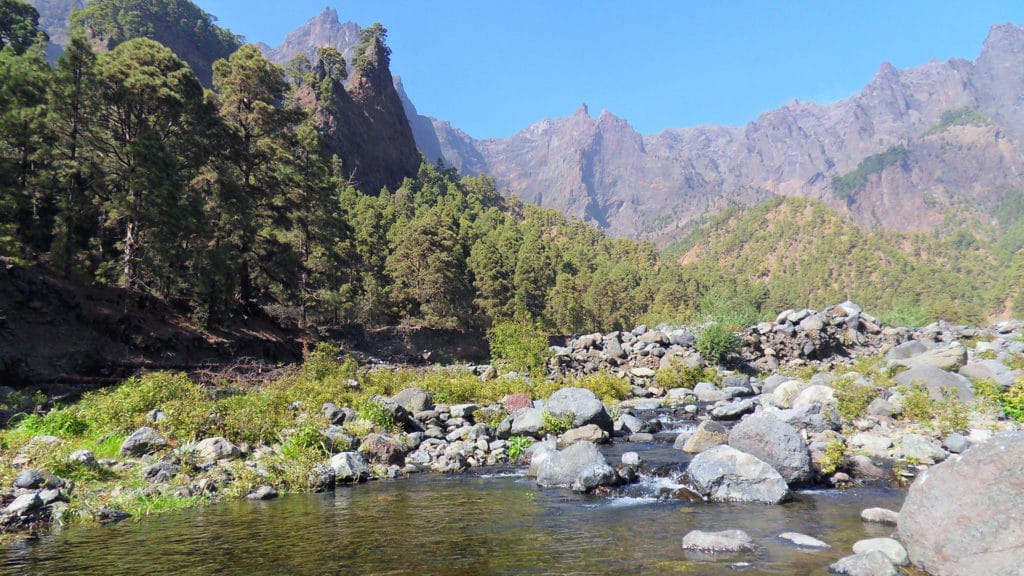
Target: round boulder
(724,474)
(584,405)
(957,518)
(777,443)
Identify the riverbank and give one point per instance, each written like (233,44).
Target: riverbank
(872,410)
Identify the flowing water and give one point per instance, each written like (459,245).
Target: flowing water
(489,523)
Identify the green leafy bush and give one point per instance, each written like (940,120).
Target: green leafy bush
(951,414)
(518,345)
(556,424)
(835,453)
(715,342)
(517,446)
(853,397)
(1013,401)
(682,376)
(373,410)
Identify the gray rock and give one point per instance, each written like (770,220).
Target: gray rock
(593,476)
(805,541)
(334,414)
(776,443)
(881,407)
(50,495)
(583,404)
(630,424)
(561,467)
(873,444)
(29,479)
(322,478)
(415,400)
(707,435)
(682,337)
(816,395)
(156,415)
(917,447)
(737,381)
(588,433)
(724,474)
(949,358)
(774,381)
(956,443)
(935,380)
(873,563)
(527,422)
(993,370)
(145,440)
(23,504)
(735,409)
(879,516)
(708,392)
(723,541)
(465,411)
(891,548)
(863,468)
(263,493)
(350,467)
(631,459)
(613,349)
(956,520)
(83,457)
(160,472)
(906,350)
(217,448)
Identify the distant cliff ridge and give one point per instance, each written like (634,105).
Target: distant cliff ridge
(958,126)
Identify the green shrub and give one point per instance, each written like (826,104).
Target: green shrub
(517,446)
(373,410)
(519,345)
(951,414)
(452,386)
(254,418)
(716,342)
(988,393)
(555,424)
(301,443)
(917,404)
(853,397)
(124,407)
(1013,401)
(682,376)
(832,461)
(610,389)
(63,422)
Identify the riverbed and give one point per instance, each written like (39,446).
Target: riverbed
(494,521)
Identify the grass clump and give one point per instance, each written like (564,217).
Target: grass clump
(519,345)
(374,411)
(124,408)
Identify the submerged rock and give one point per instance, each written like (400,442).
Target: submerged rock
(874,563)
(722,541)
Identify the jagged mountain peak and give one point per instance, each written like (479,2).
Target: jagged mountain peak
(324,29)
(1005,39)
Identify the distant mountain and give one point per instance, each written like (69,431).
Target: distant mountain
(912,147)
(324,29)
(53,17)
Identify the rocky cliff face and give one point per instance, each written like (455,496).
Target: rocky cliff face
(652,186)
(366,127)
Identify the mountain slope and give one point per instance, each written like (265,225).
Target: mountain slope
(802,253)
(655,186)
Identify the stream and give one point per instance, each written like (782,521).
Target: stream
(492,521)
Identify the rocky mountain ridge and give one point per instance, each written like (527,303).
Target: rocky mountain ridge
(653,186)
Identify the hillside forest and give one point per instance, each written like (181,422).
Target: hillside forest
(119,167)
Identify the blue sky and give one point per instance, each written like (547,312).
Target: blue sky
(493,68)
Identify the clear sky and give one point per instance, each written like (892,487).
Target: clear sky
(492,68)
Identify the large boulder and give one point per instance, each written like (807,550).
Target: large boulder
(724,474)
(414,400)
(217,448)
(584,405)
(145,440)
(708,435)
(561,468)
(723,541)
(950,357)
(350,467)
(775,442)
(935,380)
(963,516)
(384,449)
